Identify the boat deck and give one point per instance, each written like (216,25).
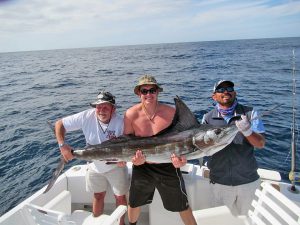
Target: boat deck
(68,195)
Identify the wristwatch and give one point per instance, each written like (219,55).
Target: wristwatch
(61,145)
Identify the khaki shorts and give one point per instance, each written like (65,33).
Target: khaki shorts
(237,198)
(117,178)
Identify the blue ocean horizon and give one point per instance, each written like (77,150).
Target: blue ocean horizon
(41,86)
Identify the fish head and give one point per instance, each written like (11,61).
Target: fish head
(210,140)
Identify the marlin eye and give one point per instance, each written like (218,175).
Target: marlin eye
(217,131)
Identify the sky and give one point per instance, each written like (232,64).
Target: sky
(27,25)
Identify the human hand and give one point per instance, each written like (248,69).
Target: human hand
(178,161)
(244,126)
(121,164)
(139,158)
(66,152)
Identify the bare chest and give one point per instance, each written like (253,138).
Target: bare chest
(145,127)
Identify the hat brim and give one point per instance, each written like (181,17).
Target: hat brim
(98,102)
(137,88)
(231,84)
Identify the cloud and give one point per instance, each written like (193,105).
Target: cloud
(113,22)
(35,15)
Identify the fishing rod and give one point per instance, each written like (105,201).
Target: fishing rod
(294,176)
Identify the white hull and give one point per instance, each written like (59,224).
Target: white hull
(68,194)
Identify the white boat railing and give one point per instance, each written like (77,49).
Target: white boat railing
(270,208)
(37,215)
(274,208)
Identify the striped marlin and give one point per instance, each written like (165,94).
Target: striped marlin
(185,136)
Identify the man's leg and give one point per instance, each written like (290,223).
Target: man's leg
(187,217)
(121,200)
(98,203)
(245,195)
(119,181)
(224,195)
(97,184)
(133,214)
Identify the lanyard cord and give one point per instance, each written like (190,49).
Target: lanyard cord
(104,131)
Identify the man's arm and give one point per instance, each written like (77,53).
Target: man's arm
(255,139)
(128,128)
(138,158)
(60,132)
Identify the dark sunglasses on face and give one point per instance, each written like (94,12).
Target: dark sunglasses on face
(223,89)
(146,91)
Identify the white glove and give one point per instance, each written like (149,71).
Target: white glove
(244,126)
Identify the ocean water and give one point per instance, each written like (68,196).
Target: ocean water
(41,86)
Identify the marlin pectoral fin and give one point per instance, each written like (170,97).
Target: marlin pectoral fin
(56,174)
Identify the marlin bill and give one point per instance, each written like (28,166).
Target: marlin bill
(185,136)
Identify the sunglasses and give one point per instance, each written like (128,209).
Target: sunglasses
(223,89)
(146,91)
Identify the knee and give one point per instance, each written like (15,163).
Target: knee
(99,196)
(121,199)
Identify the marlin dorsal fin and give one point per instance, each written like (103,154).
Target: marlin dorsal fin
(184,119)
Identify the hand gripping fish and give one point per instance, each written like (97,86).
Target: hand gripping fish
(185,136)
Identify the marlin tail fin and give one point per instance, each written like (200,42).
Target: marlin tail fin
(56,174)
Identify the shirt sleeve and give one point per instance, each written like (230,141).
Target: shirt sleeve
(73,122)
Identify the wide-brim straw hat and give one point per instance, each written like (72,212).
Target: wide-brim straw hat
(146,80)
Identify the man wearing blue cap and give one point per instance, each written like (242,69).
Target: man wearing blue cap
(233,170)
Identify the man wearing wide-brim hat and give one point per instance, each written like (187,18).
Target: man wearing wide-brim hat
(146,79)
(146,119)
(100,123)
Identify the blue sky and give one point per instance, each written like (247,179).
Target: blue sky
(54,24)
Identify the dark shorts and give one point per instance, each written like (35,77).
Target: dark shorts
(165,178)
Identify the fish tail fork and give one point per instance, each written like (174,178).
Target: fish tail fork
(56,174)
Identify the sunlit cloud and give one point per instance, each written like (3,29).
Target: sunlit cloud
(114,22)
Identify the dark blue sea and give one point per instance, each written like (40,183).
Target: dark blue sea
(41,86)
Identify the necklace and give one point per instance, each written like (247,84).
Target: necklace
(147,114)
(104,131)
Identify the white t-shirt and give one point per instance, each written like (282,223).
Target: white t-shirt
(87,121)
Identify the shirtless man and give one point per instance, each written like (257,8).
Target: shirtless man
(146,119)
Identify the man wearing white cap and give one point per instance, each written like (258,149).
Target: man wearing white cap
(233,170)
(98,124)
